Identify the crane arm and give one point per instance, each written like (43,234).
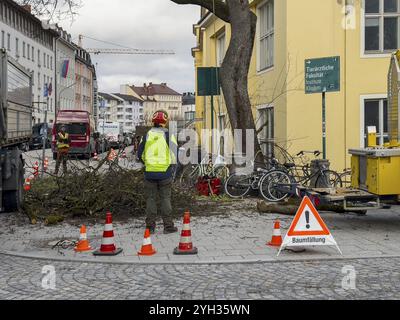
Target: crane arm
(128,51)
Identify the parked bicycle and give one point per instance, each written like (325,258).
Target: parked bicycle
(280,184)
(240,184)
(191,173)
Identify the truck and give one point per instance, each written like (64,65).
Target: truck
(80,127)
(15,129)
(111,132)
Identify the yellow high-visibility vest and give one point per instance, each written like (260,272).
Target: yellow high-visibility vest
(157,155)
(62,141)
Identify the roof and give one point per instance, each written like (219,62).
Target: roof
(155,89)
(127,97)
(107,96)
(71,116)
(28,14)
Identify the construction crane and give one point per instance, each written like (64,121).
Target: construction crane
(122,50)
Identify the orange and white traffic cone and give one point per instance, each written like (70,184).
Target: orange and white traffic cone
(276,240)
(147,247)
(46,164)
(27,185)
(185,245)
(112,155)
(36,169)
(95,157)
(83,243)
(108,247)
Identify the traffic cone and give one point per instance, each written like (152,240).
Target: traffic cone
(27,185)
(95,157)
(108,247)
(276,240)
(83,243)
(185,245)
(112,155)
(46,164)
(36,169)
(147,247)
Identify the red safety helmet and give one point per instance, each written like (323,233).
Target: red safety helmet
(160,117)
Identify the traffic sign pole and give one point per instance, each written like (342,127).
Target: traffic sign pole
(322,75)
(324,125)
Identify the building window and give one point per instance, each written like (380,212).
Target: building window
(16,47)
(38,55)
(23,49)
(266,35)
(3,36)
(382,26)
(376,115)
(265,123)
(221,49)
(33,54)
(8,42)
(29,51)
(44,59)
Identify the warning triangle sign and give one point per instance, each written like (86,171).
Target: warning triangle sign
(307,221)
(308,229)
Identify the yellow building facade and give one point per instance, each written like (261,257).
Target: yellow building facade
(362,32)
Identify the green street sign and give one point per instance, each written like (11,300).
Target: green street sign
(208,81)
(322,75)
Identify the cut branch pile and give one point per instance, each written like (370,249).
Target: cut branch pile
(91,191)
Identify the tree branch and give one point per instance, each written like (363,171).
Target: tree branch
(218,7)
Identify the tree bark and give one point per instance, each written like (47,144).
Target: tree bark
(235,67)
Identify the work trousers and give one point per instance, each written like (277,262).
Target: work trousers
(62,155)
(158,190)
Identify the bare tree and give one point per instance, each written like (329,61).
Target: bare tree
(53,9)
(235,67)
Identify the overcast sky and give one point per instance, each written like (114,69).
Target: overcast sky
(142,24)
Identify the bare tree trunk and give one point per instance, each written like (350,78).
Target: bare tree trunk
(235,68)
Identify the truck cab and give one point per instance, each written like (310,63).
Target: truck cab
(15,129)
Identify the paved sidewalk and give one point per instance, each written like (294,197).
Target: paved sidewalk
(236,236)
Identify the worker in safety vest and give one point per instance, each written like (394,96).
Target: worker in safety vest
(158,158)
(63,145)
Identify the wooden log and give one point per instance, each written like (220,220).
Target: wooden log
(290,208)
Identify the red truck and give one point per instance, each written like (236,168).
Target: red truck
(80,129)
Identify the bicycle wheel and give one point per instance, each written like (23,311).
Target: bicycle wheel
(189,176)
(238,186)
(328,179)
(269,185)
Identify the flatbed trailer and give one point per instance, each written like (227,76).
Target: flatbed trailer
(350,199)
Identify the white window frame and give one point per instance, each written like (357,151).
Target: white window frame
(267,133)
(381,54)
(363,98)
(220,56)
(258,37)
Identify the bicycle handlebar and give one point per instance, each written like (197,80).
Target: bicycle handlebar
(315,153)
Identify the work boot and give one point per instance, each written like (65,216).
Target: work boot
(170,229)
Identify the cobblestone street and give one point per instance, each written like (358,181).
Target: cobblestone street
(21,278)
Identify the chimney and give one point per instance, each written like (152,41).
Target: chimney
(27,7)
